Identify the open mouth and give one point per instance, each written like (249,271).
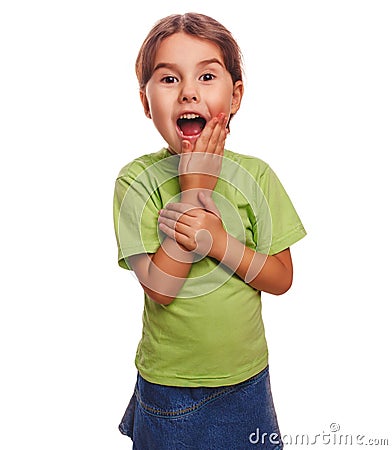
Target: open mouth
(191,124)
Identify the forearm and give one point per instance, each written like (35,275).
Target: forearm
(268,273)
(163,274)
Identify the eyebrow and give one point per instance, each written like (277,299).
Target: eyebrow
(205,62)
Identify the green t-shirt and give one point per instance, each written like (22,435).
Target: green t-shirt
(212,334)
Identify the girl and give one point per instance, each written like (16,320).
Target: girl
(205,230)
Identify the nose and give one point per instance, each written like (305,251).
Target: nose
(189,93)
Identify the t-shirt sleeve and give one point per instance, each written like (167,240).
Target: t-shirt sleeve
(135,212)
(286,226)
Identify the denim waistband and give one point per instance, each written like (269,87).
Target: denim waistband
(173,401)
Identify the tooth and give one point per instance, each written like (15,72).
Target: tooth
(189,116)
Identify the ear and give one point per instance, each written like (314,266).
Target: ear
(238,92)
(146,106)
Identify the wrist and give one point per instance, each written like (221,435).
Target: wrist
(191,196)
(219,246)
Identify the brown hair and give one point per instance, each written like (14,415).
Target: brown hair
(195,24)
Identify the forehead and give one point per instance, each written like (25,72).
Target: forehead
(185,48)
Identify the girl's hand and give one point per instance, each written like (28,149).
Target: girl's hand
(201,163)
(198,230)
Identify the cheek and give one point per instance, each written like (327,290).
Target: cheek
(157,109)
(159,104)
(224,99)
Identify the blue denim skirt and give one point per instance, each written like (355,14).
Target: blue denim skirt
(236,417)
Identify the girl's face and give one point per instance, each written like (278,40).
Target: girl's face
(189,86)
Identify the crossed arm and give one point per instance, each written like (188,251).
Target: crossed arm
(194,227)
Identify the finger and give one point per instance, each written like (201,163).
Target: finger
(169,217)
(186,147)
(168,231)
(219,149)
(171,223)
(202,142)
(183,208)
(175,225)
(216,136)
(176,235)
(173,217)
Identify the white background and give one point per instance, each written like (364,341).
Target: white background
(317,108)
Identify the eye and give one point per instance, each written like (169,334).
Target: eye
(169,79)
(207,77)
